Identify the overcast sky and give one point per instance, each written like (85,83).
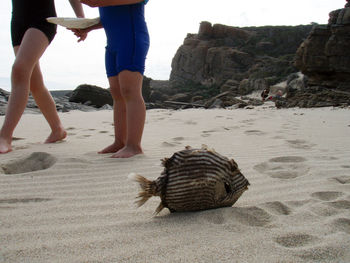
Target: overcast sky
(66,64)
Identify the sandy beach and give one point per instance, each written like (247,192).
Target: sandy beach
(78,206)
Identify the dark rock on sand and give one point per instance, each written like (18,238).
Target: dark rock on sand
(96,95)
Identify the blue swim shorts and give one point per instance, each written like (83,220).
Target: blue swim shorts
(127,38)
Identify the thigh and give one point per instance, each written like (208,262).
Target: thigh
(32,47)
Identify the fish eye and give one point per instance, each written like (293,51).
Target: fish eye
(228,188)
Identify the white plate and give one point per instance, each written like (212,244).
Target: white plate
(70,22)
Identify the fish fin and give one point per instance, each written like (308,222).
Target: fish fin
(164,161)
(148,188)
(204,147)
(234,164)
(159,208)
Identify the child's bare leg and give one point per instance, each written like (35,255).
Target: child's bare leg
(131,88)
(28,53)
(119,115)
(47,106)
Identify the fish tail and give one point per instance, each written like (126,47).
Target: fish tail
(148,188)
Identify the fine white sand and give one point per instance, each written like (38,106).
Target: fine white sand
(78,206)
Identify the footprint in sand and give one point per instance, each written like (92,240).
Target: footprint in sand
(293,240)
(69,129)
(321,253)
(248,216)
(327,196)
(169,144)
(342,224)
(84,136)
(277,208)
(299,203)
(278,137)
(34,162)
(342,179)
(191,122)
(22,147)
(23,200)
(215,217)
(208,133)
(248,121)
(285,167)
(323,210)
(288,159)
(300,144)
(176,141)
(340,204)
(254,132)
(328,158)
(289,127)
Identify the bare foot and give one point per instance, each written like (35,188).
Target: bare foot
(127,152)
(56,136)
(113,148)
(5,146)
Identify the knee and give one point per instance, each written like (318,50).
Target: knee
(116,94)
(20,72)
(131,93)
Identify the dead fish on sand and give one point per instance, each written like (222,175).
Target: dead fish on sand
(194,179)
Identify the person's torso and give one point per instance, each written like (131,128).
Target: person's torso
(121,19)
(32,9)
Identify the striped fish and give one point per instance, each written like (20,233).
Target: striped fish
(194,179)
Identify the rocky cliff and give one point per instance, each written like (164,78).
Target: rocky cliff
(324,58)
(325,55)
(221,55)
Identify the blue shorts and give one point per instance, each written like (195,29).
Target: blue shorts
(127,38)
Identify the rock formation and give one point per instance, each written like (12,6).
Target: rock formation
(223,56)
(324,58)
(325,55)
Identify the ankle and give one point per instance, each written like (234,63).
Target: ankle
(134,147)
(5,137)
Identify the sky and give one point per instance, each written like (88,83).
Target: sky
(67,64)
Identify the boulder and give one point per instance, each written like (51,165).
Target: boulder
(246,86)
(224,100)
(146,88)
(96,95)
(315,96)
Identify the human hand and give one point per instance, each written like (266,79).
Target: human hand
(81,34)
